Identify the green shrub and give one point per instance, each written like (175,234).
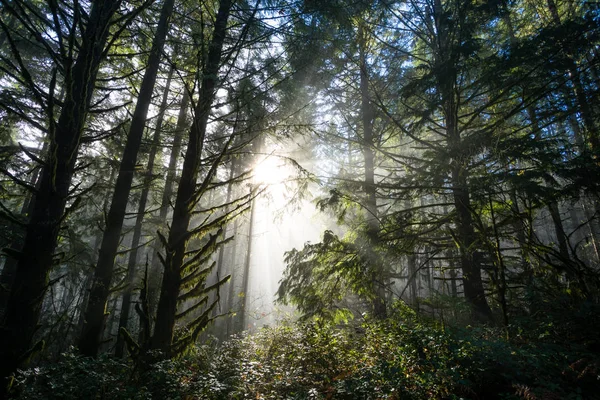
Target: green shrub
(76,377)
(399,358)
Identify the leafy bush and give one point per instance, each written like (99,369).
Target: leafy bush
(76,377)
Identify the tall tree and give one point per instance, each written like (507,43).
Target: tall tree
(141,213)
(179,234)
(167,195)
(374,261)
(450,28)
(48,209)
(95,313)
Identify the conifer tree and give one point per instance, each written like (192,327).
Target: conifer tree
(80,67)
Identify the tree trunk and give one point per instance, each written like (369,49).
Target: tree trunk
(243,318)
(446,60)
(95,313)
(35,260)
(470,263)
(368,144)
(231,328)
(178,235)
(96,246)
(412,279)
(501,267)
(592,225)
(559,230)
(221,267)
(155,275)
(9,269)
(141,212)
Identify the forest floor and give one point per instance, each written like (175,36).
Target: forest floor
(546,355)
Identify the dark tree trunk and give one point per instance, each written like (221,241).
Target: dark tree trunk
(592,225)
(453,287)
(95,313)
(470,263)
(501,268)
(96,246)
(446,59)
(141,212)
(35,260)
(178,235)
(559,230)
(368,145)
(155,275)
(412,279)
(9,269)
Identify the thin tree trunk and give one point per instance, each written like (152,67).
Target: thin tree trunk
(155,275)
(243,319)
(501,281)
(220,267)
(520,229)
(35,260)
(178,235)
(368,144)
(96,246)
(95,313)
(453,288)
(559,230)
(412,280)
(592,225)
(141,212)
(231,295)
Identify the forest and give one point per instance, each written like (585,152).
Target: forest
(300,199)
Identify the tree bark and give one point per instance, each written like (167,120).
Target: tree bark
(48,208)
(141,212)
(559,230)
(95,313)
(368,144)
(155,275)
(178,235)
(470,264)
(9,269)
(446,60)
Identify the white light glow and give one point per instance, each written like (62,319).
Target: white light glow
(271,171)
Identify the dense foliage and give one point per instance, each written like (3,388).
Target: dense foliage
(403,357)
(451,148)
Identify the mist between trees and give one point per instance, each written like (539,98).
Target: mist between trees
(175,171)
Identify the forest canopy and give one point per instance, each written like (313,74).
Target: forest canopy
(232,199)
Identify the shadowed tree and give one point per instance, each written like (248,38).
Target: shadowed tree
(48,207)
(96,309)
(186,199)
(141,213)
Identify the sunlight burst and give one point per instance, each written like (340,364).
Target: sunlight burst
(271,171)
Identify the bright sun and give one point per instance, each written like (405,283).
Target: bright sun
(271,171)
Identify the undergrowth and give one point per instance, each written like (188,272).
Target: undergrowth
(402,357)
